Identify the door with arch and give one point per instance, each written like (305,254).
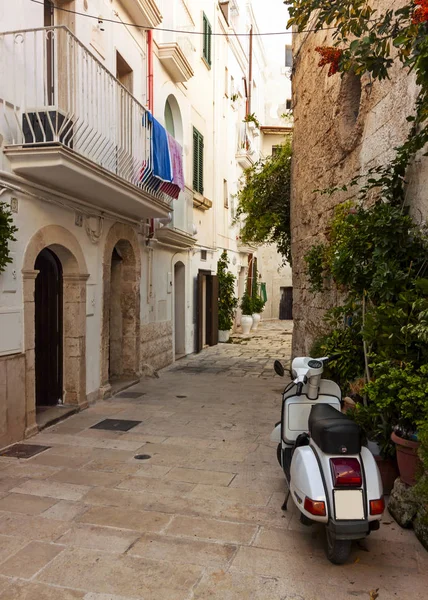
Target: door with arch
(179,309)
(48,329)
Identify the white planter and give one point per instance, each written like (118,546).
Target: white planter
(223,336)
(256,320)
(246,324)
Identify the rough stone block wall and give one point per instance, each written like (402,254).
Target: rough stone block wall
(12,399)
(156,345)
(339,131)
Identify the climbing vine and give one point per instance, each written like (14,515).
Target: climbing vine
(7,235)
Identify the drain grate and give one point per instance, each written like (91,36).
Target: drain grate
(142,456)
(23,451)
(116,425)
(130,394)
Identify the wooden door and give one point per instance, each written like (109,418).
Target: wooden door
(48,329)
(286,304)
(199,310)
(212,310)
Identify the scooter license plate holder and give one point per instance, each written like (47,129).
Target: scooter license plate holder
(349,505)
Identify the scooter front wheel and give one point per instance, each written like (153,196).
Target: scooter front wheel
(338,551)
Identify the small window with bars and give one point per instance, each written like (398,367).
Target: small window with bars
(198,161)
(289,104)
(206,46)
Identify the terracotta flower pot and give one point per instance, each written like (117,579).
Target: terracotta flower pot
(407,458)
(388,472)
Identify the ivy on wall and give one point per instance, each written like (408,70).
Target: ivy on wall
(7,235)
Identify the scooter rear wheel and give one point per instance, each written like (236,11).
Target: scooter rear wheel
(338,551)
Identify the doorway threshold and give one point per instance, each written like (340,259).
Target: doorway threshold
(118,385)
(49,415)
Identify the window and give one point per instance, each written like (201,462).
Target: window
(206,49)
(225,194)
(288,56)
(124,72)
(275,150)
(198,162)
(203,255)
(289,104)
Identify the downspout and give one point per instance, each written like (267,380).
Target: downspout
(150,102)
(250,72)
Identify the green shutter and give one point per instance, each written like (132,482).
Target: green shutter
(207,31)
(198,162)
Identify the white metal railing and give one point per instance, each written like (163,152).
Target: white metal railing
(54,90)
(182,216)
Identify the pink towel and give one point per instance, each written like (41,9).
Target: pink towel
(176,154)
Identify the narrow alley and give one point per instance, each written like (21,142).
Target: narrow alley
(185,504)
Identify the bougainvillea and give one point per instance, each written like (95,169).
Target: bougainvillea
(421,14)
(329,56)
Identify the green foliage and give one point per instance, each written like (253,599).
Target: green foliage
(399,392)
(246,304)
(315,269)
(375,427)
(252,119)
(420,490)
(227,301)
(264,201)
(258,304)
(7,234)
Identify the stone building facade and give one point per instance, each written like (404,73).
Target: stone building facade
(342,127)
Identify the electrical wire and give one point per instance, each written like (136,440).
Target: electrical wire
(146,28)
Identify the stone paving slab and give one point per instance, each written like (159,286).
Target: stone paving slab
(201,519)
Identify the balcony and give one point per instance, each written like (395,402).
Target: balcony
(179,233)
(69,125)
(175,48)
(143,12)
(245,152)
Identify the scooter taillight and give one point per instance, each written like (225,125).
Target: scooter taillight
(346,472)
(315,507)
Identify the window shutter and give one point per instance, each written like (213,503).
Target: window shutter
(207,31)
(198,162)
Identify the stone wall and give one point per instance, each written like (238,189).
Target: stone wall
(156,346)
(12,399)
(341,128)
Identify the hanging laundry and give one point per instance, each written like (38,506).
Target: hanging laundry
(176,154)
(161,159)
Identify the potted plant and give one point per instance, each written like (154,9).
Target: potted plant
(227,301)
(399,392)
(252,120)
(258,306)
(246,307)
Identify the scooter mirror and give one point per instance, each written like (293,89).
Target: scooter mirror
(279,369)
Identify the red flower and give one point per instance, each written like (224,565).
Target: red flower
(331,56)
(420,15)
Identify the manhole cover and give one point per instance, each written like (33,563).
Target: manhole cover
(23,451)
(130,394)
(116,425)
(181,396)
(142,456)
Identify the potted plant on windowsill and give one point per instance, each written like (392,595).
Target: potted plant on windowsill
(258,306)
(227,301)
(247,311)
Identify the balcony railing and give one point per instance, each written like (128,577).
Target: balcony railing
(245,152)
(177,16)
(54,91)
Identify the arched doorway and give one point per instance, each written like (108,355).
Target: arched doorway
(48,329)
(120,345)
(54,291)
(180,309)
(122,313)
(172,118)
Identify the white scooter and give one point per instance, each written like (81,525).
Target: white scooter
(331,476)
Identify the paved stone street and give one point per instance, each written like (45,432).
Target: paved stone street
(200,518)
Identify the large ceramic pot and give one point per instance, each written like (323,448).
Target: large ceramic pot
(246,323)
(407,458)
(256,320)
(223,336)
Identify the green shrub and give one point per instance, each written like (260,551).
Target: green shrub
(227,301)
(246,304)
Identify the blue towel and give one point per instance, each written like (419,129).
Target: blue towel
(161,160)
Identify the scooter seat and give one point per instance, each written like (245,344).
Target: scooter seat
(333,432)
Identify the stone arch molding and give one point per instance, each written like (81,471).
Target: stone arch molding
(68,250)
(124,239)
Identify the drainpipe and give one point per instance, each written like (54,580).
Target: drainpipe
(150,102)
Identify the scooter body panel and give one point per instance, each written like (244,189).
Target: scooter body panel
(295,414)
(373,479)
(306,481)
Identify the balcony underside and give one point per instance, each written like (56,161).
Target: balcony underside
(59,168)
(244,159)
(175,237)
(175,62)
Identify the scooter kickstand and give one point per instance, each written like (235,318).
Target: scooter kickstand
(284,506)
